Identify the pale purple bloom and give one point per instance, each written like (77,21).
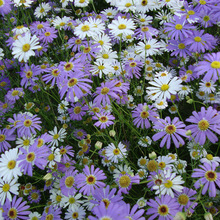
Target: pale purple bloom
(54,212)
(203,125)
(5,136)
(104,119)
(170,130)
(209,177)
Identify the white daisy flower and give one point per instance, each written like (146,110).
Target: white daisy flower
(116,154)
(104,40)
(1,53)
(83,30)
(6,188)
(184,91)
(42,10)
(122,169)
(9,166)
(100,67)
(163,87)
(143,19)
(179,166)
(63,106)
(210,159)
(60,23)
(54,157)
(34,216)
(145,141)
(71,201)
(126,5)
(57,136)
(165,162)
(122,26)
(26,3)
(160,104)
(142,202)
(25,142)
(97,25)
(107,56)
(142,162)
(21,29)
(110,12)
(207,86)
(81,3)
(24,47)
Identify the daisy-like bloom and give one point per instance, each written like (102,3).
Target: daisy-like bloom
(165,162)
(180,166)
(209,177)
(77,111)
(116,154)
(34,216)
(178,28)
(104,119)
(5,136)
(209,158)
(42,10)
(6,188)
(23,48)
(15,94)
(52,213)
(15,209)
(34,196)
(209,67)
(57,136)
(114,211)
(32,156)
(124,182)
(186,200)
(145,141)
(83,30)
(132,213)
(68,183)
(170,183)
(48,35)
(90,180)
(163,87)
(5,7)
(72,200)
(122,27)
(77,212)
(9,168)
(204,123)
(28,125)
(207,86)
(170,130)
(104,40)
(142,113)
(54,157)
(80,3)
(164,207)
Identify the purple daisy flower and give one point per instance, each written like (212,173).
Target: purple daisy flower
(34,196)
(68,183)
(27,124)
(134,213)
(106,196)
(15,94)
(114,211)
(6,106)
(142,113)
(53,213)
(79,134)
(67,152)
(165,208)
(77,111)
(209,177)
(5,7)
(146,32)
(5,84)
(104,119)
(170,129)
(75,43)
(90,180)
(49,35)
(32,156)
(39,27)
(106,91)
(53,74)
(178,28)
(5,136)
(204,124)
(209,67)
(186,199)
(16,209)
(133,67)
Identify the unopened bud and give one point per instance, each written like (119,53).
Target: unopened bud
(152,155)
(112,133)
(188,132)
(208,216)
(180,216)
(47,177)
(190,101)
(98,145)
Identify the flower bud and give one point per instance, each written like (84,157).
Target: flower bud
(188,132)
(208,216)
(190,101)
(180,216)
(47,177)
(98,145)
(152,155)
(112,133)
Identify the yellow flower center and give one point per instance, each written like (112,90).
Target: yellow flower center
(27,123)
(3,84)
(191,12)
(51,157)
(81,1)
(1,2)
(197,39)
(116,152)
(69,181)
(133,64)
(181,46)
(147,46)
(168,184)
(209,156)
(101,42)
(11,164)
(163,210)
(77,109)
(105,56)
(62,24)
(162,165)
(104,90)
(202,2)
(152,165)
(68,66)
(128,5)
(2,137)
(203,125)
(6,187)
(63,151)
(144,2)
(103,119)
(183,199)
(164,87)
(58,198)
(12,213)
(211,175)
(143,162)
(180,166)
(75,215)
(15,93)
(90,180)
(39,26)
(215,64)
(178,26)
(42,10)
(40,142)
(206,18)
(34,196)
(144,114)
(26,47)
(30,157)
(85,28)
(122,26)
(101,67)
(49,217)
(170,129)
(124,181)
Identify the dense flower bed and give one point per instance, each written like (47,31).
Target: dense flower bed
(109,110)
